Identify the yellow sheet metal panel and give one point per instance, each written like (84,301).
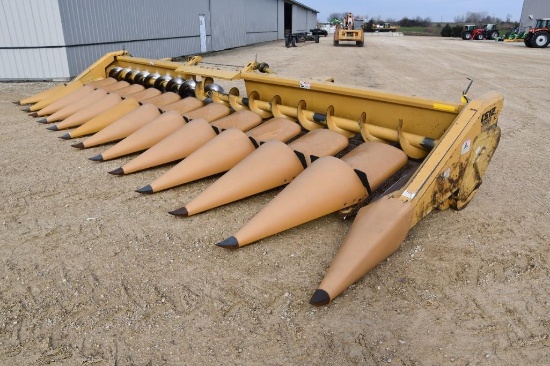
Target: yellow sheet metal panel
(382,109)
(441,172)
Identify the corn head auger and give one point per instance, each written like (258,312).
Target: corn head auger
(387,159)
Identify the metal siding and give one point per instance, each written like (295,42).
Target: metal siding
(537,8)
(152,30)
(281,19)
(34,64)
(228,24)
(91,28)
(81,57)
(105,21)
(311,19)
(30,23)
(261,21)
(299,19)
(261,15)
(252,38)
(300,5)
(32,40)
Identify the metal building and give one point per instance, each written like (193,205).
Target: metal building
(536,9)
(57,39)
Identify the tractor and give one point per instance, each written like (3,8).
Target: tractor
(539,36)
(467,31)
(488,31)
(351,30)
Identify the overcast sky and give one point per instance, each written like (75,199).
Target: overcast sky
(438,10)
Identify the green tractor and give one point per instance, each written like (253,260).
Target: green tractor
(539,36)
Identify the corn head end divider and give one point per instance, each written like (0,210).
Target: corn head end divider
(385,159)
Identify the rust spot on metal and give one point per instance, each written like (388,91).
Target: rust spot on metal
(447,185)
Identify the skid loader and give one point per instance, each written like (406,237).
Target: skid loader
(386,159)
(349,31)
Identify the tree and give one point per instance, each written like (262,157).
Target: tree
(473,17)
(404,22)
(460,19)
(457,31)
(416,22)
(447,31)
(335,16)
(369,27)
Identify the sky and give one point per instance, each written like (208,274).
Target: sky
(437,10)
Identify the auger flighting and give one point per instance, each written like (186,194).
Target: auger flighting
(415,155)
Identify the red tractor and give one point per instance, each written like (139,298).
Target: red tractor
(539,36)
(467,31)
(488,31)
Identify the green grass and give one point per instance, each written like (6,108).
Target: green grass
(435,29)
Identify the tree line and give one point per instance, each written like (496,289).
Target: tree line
(481,18)
(470,17)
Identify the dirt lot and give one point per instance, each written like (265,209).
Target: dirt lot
(94,273)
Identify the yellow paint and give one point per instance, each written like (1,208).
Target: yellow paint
(377,115)
(445,107)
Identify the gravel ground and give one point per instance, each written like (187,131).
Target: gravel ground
(94,273)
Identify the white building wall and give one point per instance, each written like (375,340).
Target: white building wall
(261,20)
(149,29)
(299,19)
(34,64)
(280,19)
(311,20)
(30,23)
(31,41)
(303,19)
(57,39)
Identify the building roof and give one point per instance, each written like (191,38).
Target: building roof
(302,5)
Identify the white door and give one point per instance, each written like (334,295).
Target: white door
(202,32)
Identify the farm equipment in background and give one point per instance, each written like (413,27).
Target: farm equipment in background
(319,32)
(385,159)
(386,27)
(538,36)
(292,38)
(514,35)
(351,30)
(468,30)
(488,31)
